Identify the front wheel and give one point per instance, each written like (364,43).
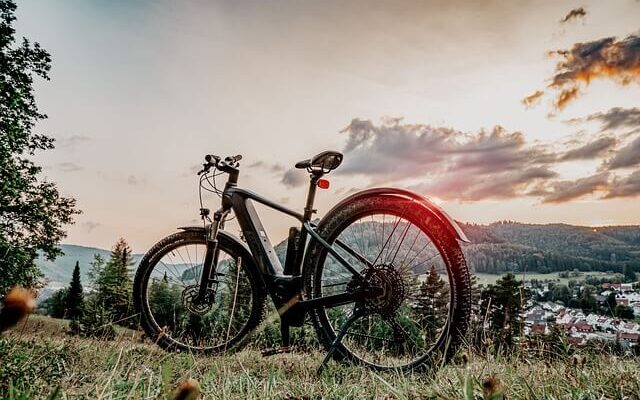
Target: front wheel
(166,294)
(421,311)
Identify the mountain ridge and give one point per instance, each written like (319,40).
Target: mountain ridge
(497,247)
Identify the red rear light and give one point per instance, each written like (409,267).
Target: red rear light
(323,184)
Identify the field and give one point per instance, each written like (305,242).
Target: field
(485,279)
(38,359)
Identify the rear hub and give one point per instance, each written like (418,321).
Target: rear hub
(388,287)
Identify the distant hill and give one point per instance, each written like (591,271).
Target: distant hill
(58,273)
(495,248)
(512,246)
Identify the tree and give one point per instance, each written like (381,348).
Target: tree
(611,304)
(112,281)
(629,274)
(75,299)
(32,212)
(96,321)
(56,305)
(431,303)
(624,312)
(502,304)
(588,303)
(561,293)
(165,301)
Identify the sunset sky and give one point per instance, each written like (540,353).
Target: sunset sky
(425,95)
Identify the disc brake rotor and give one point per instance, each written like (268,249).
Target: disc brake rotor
(190,294)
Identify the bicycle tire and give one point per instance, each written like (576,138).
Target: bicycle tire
(141,301)
(459,280)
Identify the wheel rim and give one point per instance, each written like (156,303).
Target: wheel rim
(172,286)
(410,318)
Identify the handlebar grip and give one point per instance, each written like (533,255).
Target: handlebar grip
(233,159)
(211,159)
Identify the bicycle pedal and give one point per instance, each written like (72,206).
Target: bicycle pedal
(276,350)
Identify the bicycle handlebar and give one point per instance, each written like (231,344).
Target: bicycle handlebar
(233,159)
(225,165)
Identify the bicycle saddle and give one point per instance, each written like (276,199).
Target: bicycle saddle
(327,161)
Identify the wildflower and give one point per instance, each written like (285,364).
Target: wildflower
(579,361)
(465,359)
(188,390)
(17,303)
(492,389)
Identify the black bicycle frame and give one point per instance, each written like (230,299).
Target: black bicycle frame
(284,288)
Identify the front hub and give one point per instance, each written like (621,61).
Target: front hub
(191,302)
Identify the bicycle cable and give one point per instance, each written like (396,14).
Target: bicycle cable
(210,178)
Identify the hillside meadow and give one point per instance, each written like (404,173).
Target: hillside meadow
(38,359)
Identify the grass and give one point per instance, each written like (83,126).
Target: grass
(39,360)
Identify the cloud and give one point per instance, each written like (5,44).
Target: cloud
(618,60)
(447,163)
(271,167)
(391,151)
(625,187)
(72,141)
(564,191)
(90,226)
(615,118)
(533,98)
(134,181)
(502,185)
(293,178)
(566,96)
(627,156)
(574,14)
(489,164)
(591,150)
(68,167)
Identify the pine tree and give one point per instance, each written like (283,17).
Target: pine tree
(629,274)
(112,281)
(587,301)
(431,303)
(501,303)
(476,331)
(165,302)
(75,299)
(611,304)
(55,306)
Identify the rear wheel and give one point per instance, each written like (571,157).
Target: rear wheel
(166,286)
(420,314)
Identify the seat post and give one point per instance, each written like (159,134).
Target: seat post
(311,195)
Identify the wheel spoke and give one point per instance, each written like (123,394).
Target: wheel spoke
(216,324)
(387,241)
(407,334)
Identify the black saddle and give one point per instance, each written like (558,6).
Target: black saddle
(325,161)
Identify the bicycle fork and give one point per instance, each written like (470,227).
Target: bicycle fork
(212,254)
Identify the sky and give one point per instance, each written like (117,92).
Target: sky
(514,110)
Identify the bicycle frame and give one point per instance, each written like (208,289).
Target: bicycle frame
(285,288)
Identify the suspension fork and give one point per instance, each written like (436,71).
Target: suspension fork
(212,254)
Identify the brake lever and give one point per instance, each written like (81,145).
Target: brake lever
(205,169)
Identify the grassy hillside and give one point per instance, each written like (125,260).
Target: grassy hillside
(38,357)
